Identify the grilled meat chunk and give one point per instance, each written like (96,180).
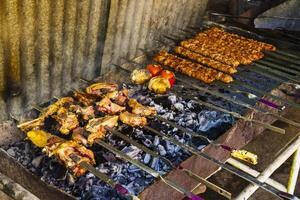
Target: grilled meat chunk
(87,112)
(84,98)
(100,89)
(53,108)
(118,97)
(64,152)
(78,136)
(133,119)
(96,127)
(108,107)
(140,109)
(67,120)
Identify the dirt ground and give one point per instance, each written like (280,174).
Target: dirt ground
(266,146)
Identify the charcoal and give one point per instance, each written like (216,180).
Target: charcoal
(162,150)
(147,158)
(156,141)
(179,106)
(11,151)
(131,151)
(37,161)
(172,99)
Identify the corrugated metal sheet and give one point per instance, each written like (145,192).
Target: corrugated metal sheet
(46,45)
(134,23)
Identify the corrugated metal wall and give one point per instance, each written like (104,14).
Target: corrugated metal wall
(134,23)
(46,45)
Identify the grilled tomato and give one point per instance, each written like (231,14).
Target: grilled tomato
(168,75)
(159,85)
(154,69)
(140,76)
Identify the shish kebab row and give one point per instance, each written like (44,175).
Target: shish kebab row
(69,115)
(216,53)
(69,112)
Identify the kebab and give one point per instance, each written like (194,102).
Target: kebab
(205,60)
(62,150)
(195,70)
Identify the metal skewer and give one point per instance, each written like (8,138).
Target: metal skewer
(103,177)
(147,169)
(218,94)
(233,151)
(287,76)
(125,157)
(267,74)
(155,154)
(245,176)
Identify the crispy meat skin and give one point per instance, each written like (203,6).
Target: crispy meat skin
(118,97)
(84,98)
(195,70)
(78,136)
(107,106)
(100,89)
(140,109)
(205,60)
(96,127)
(87,112)
(67,120)
(64,151)
(133,119)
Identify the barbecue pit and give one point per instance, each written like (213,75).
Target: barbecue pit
(224,113)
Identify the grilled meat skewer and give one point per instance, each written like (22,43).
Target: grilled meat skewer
(62,150)
(205,60)
(140,109)
(107,106)
(195,70)
(100,89)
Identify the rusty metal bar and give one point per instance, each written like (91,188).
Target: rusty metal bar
(245,176)
(155,154)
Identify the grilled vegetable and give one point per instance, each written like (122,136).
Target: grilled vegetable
(140,76)
(154,69)
(39,138)
(159,85)
(245,155)
(169,75)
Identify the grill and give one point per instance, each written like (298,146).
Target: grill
(197,127)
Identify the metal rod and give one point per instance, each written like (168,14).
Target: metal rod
(284,68)
(278,73)
(147,169)
(282,57)
(103,177)
(265,74)
(287,54)
(245,176)
(268,126)
(155,154)
(192,133)
(237,115)
(155,174)
(250,189)
(294,172)
(254,173)
(286,101)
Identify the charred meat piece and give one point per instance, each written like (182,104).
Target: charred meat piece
(96,127)
(140,109)
(64,151)
(108,107)
(87,112)
(118,97)
(53,108)
(100,89)
(67,120)
(133,119)
(78,136)
(84,98)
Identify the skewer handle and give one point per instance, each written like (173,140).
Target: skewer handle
(269,103)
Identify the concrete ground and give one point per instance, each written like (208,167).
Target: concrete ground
(266,146)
